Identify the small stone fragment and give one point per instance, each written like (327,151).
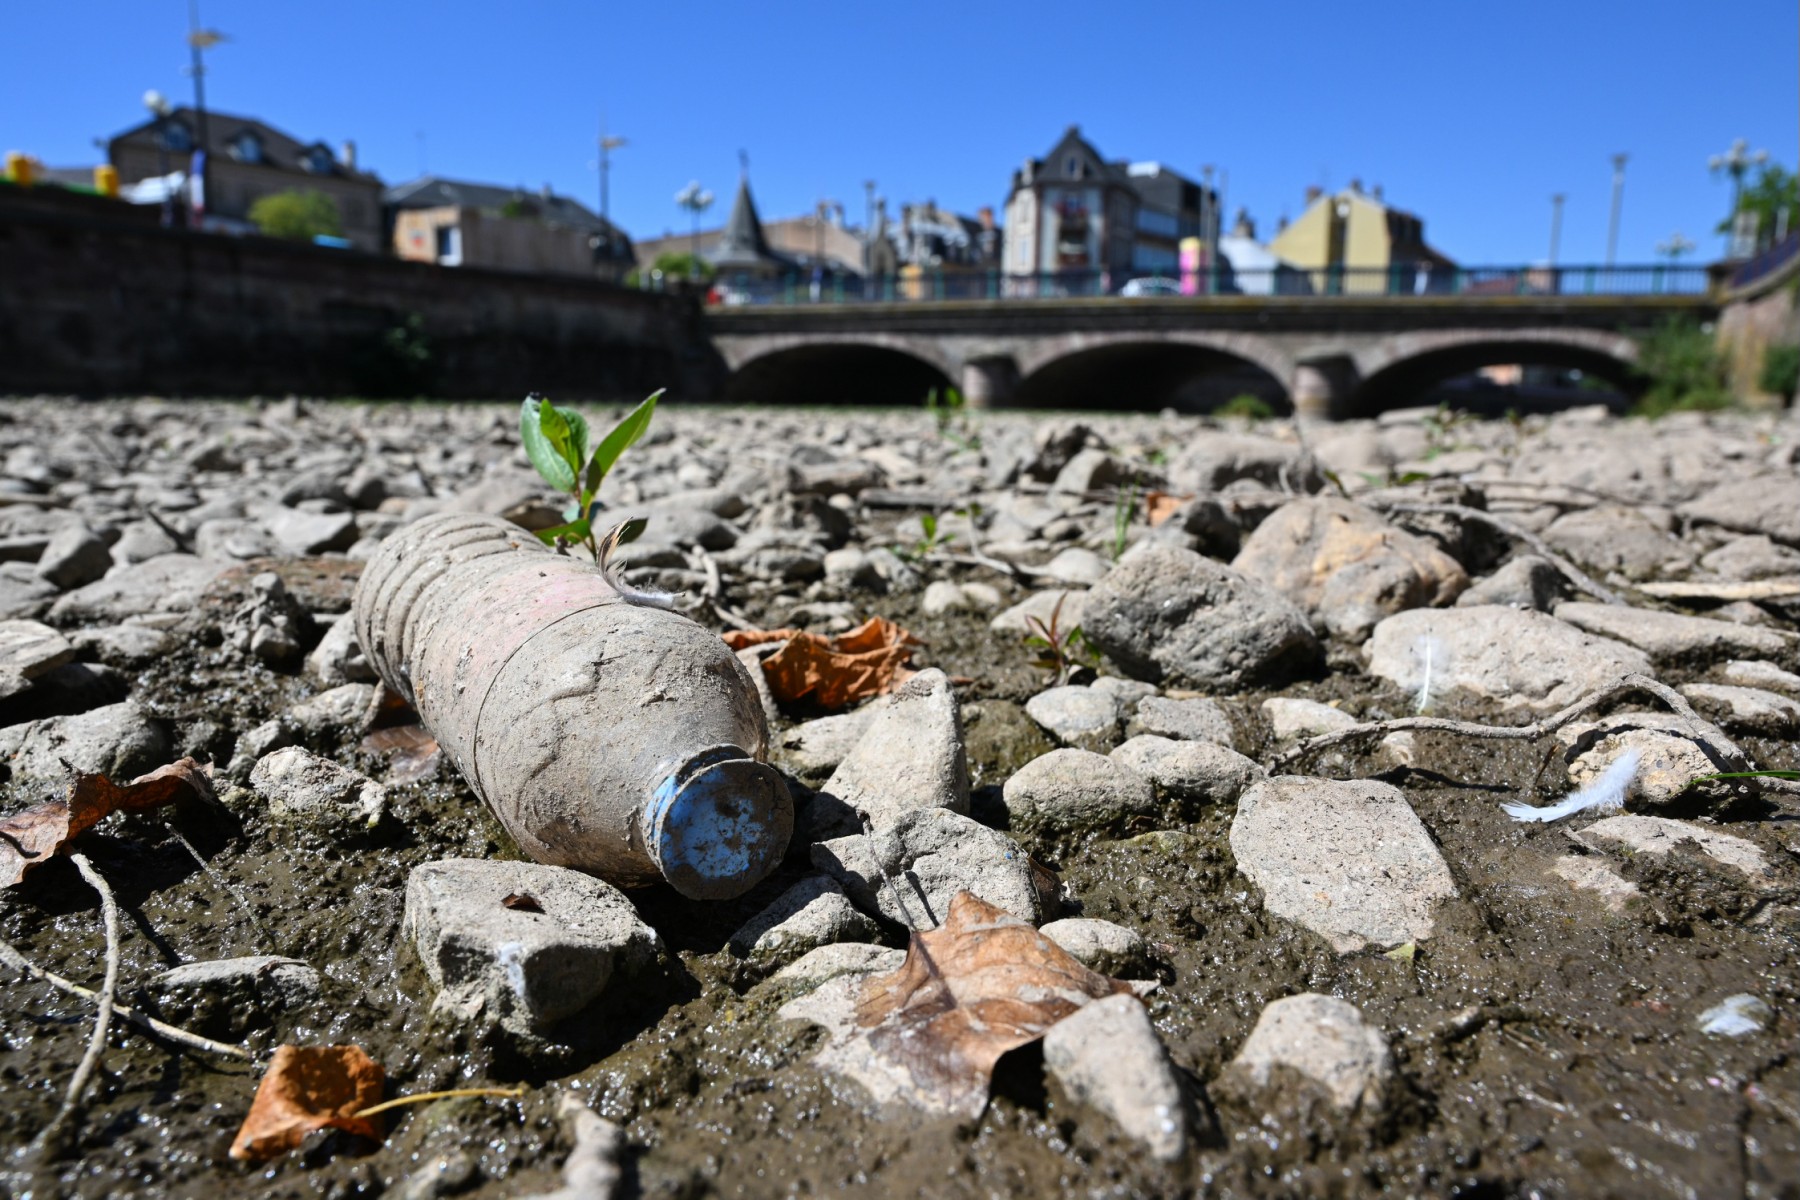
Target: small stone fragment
(1326,1040)
(301,788)
(928,856)
(1659,835)
(1189,772)
(1587,873)
(1106,1057)
(1291,717)
(813,913)
(1078,716)
(1072,790)
(1101,945)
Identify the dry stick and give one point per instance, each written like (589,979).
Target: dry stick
(447,1094)
(53,1133)
(1537,729)
(193,1041)
(713,590)
(1569,569)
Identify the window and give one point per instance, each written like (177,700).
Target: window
(1072,167)
(177,137)
(246,147)
(318,160)
(449,245)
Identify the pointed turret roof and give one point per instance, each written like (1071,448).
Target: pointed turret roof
(741,243)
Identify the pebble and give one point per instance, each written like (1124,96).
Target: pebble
(1101,946)
(813,913)
(1746,709)
(1326,1040)
(927,857)
(1189,772)
(1660,835)
(910,756)
(300,788)
(1292,717)
(1191,720)
(1107,1058)
(1671,639)
(1071,790)
(1077,716)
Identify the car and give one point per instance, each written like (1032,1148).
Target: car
(1151,285)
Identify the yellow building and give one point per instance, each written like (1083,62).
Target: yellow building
(1352,243)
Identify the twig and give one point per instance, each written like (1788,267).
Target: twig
(51,1135)
(1537,729)
(713,590)
(1570,571)
(255,922)
(193,1041)
(447,1094)
(1015,570)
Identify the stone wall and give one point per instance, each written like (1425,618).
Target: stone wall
(98,299)
(1759,316)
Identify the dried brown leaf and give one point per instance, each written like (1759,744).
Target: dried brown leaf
(1160,506)
(30,838)
(308,1088)
(833,672)
(412,751)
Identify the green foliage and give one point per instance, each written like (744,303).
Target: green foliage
(948,411)
(935,536)
(1124,508)
(1245,405)
(556,442)
(1064,651)
(1780,371)
(1772,190)
(1684,370)
(398,362)
(675,266)
(297,215)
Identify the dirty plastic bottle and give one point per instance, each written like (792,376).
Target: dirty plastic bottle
(616,738)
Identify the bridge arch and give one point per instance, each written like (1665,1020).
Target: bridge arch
(1397,371)
(1188,370)
(862,369)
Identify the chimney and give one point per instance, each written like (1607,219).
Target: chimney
(1356,186)
(1244,226)
(1282,224)
(1376,191)
(347,156)
(984,216)
(1313,192)
(546,193)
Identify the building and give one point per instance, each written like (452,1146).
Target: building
(1171,209)
(457,223)
(1354,243)
(246,160)
(1249,268)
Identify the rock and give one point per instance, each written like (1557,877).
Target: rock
(234,539)
(1291,717)
(219,997)
(1077,716)
(909,757)
(334,711)
(848,476)
(1675,640)
(1091,470)
(1619,539)
(941,596)
(1101,946)
(1736,1016)
(1128,693)
(1076,566)
(1525,582)
(930,855)
(269,623)
(1107,1058)
(338,659)
(23,596)
(1188,772)
(1068,791)
(1751,558)
(1586,873)
(74,556)
(518,945)
(29,649)
(1515,657)
(1324,1039)
(1212,460)
(1659,835)
(1672,754)
(813,913)
(1043,606)
(254,744)
(1350,861)
(1746,709)
(1764,504)
(72,688)
(301,533)
(1169,615)
(1345,567)
(300,788)
(120,645)
(842,958)
(1191,720)
(118,741)
(813,749)
(167,583)
(1760,675)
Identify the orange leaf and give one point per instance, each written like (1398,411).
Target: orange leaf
(1160,506)
(29,838)
(308,1088)
(833,672)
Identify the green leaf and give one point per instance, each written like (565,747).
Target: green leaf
(555,425)
(578,436)
(574,531)
(928,523)
(621,439)
(1403,952)
(543,453)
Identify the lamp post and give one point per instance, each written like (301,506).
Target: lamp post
(160,108)
(1674,246)
(1556,203)
(1618,196)
(604,163)
(1734,162)
(696,200)
(199,41)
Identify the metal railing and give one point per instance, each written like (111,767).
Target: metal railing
(1400,280)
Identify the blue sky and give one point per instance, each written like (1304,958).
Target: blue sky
(1470,113)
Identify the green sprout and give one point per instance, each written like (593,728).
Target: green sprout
(556,442)
(1060,650)
(1124,508)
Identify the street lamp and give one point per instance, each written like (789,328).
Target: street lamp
(199,42)
(696,200)
(1674,246)
(160,108)
(607,145)
(1618,196)
(1734,162)
(1556,205)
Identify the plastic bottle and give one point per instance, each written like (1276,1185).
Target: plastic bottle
(619,739)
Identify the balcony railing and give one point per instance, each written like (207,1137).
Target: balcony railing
(1398,281)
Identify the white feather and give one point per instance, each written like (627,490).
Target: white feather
(1608,791)
(1429,654)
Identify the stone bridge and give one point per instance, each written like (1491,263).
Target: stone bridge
(1332,356)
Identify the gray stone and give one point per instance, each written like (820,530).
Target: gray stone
(1348,860)
(1671,753)
(1167,614)
(234,538)
(1107,1058)
(1291,717)
(1751,558)
(75,555)
(1756,674)
(1324,1039)
(1621,539)
(1525,582)
(255,743)
(842,958)
(269,623)
(338,659)
(1191,720)
(301,533)
(29,649)
(1082,568)
(1765,504)
(1070,790)
(1676,640)
(1043,606)
(119,741)
(23,596)
(1077,716)
(930,855)
(300,788)
(1659,835)
(1101,945)
(167,583)
(1587,873)
(1515,657)
(1212,460)
(518,945)
(909,757)
(814,912)
(227,997)
(120,645)
(1189,772)
(813,749)
(1346,567)
(335,710)
(1128,692)
(1746,709)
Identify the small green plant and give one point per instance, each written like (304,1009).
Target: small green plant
(1060,650)
(297,215)
(1780,372)
(1442,430)
(934,537)
(1125,502)
(556,442)
(1245,405)
(949,412)
(1684,370)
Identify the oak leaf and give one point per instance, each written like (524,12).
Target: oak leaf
(308,1088)
(1160,506)
(929,1033)
(31,837)
(833,672)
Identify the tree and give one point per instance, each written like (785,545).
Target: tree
(1772,190)
(673,267)
(301,216)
